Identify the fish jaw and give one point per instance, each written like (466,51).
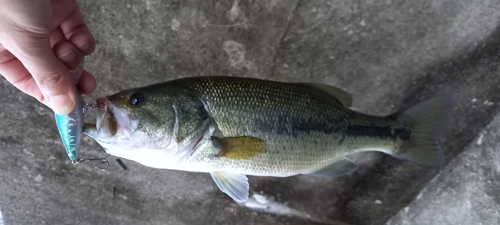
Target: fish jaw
(113,121)
(175,156)
(159,158)
(156,158)
(114,127)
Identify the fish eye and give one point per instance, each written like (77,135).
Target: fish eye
(136,99)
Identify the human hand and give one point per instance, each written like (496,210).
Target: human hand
(40,41)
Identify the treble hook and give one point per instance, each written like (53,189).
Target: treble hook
(95,106)
(87,105)
(102,161)
(91,105)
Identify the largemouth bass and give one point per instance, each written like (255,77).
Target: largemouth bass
(233,127)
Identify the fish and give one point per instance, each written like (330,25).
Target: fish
(233,127)
(70,126)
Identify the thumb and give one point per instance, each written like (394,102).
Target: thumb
(57,86)
(51,75)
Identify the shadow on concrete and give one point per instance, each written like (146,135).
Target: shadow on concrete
(479,67)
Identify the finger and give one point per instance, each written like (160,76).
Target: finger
(15,73)
(51,75)
(68,54)
(87,83)
(56,36)
(77,32)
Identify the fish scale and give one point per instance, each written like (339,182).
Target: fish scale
(261,109)
(232,127)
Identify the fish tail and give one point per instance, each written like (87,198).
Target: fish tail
(428,119)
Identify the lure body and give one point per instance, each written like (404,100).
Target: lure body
(71,128)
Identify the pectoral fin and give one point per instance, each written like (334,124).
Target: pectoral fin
(233,184)
(337,169)
(240,148)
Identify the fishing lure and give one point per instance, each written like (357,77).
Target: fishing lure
(71,128)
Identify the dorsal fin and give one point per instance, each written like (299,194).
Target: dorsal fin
(341,95)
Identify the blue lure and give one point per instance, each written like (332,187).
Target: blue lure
(71,129)
(70,126)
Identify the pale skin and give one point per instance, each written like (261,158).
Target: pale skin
(40,41)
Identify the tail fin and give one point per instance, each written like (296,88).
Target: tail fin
(428,119)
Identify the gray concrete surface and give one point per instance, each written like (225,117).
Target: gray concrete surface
(466,191)
(388,54)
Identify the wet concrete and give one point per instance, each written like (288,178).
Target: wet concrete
(388,54)
(466,191)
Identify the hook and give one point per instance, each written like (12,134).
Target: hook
(101,161)
(95,106)
(91,105)
(86,105)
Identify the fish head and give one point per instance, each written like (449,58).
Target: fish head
(133,120)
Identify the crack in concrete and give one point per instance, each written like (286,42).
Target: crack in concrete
(287,28)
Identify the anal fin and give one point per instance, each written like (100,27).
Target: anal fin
(233,184)
(336,169)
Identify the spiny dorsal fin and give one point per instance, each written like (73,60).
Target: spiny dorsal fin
(338,93)
(240,148)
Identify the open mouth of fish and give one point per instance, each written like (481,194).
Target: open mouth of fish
(111,121)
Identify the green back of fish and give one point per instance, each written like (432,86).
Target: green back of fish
(304,127)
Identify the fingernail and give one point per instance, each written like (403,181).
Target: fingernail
(84,46)
(68,57)
(62,104)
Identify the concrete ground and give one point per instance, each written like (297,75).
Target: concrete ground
(388,54)
(466,191)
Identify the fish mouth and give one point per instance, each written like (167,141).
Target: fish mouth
(105,120)
(111,121)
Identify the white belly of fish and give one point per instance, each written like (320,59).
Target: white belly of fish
(156,158)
